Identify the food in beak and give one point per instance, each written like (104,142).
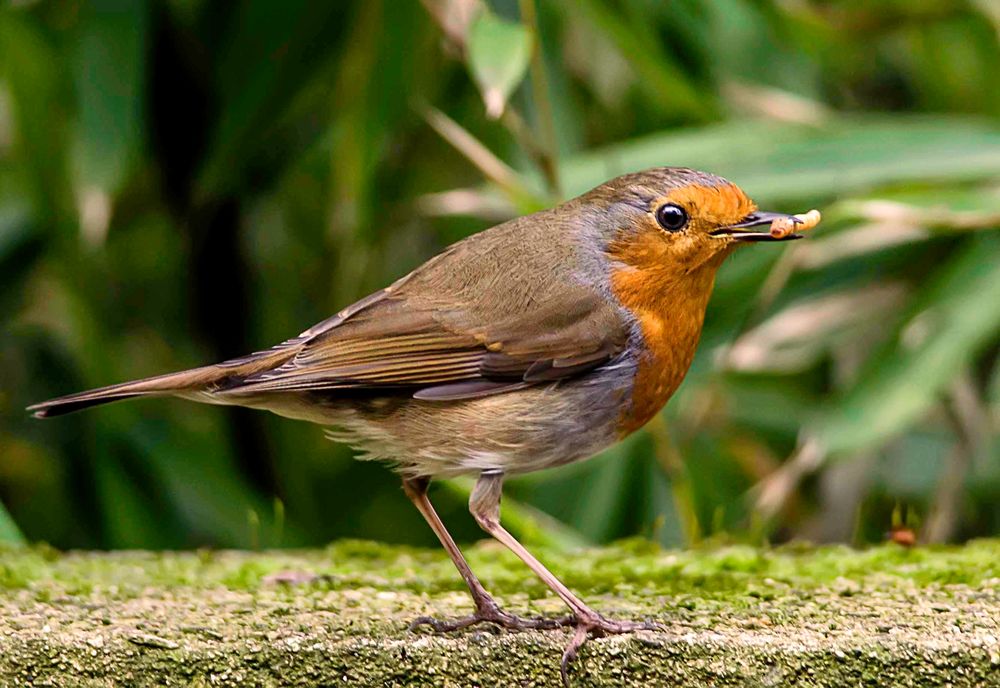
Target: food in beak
(783,227)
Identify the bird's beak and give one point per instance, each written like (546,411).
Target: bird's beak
(741,230)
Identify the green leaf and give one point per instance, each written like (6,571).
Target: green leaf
(498,56)
(954,319)
(30,69)
(130,519)
(663,78)
(270,54)
(15,228)
(9,532)
(207,494)
(109,70)
(782,163)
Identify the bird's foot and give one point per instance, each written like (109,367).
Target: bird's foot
(591,624)
(488,611)
(587,624)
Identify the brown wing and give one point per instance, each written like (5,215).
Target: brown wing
(445,354)
(512,306)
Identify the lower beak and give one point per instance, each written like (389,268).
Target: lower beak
(742,231)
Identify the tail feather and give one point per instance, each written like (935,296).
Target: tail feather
(207,379)
(161,385)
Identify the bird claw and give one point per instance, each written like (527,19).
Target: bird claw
(493,614)
(593,624)
(586,625)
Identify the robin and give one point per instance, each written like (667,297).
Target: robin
(532,344)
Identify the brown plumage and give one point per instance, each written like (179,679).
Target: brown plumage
(534,343)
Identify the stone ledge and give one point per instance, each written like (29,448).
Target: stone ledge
(734,617)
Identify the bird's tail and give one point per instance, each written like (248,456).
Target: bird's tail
(189,381)
(194,383)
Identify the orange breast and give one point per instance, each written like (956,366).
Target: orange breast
(669,349)
(670,310)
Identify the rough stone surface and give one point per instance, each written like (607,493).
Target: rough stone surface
(734,616)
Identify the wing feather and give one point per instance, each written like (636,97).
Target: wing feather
(462,326)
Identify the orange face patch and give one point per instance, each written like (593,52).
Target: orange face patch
(661,258)
(710,207)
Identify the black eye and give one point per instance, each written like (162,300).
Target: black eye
(671,217)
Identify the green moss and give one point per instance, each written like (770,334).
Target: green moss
(631,565)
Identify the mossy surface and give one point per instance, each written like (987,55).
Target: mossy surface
(733,616)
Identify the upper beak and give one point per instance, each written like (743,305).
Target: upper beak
(757,219)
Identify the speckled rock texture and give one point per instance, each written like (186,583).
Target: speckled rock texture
(734,616)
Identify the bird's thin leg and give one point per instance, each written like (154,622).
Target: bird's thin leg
(485,507)
(487,609)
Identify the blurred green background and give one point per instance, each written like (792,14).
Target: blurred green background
(185,181)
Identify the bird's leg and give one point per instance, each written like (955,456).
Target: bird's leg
(487,609)
(485,507)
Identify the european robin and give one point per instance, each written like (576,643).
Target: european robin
(532,344)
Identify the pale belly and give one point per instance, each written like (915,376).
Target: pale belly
(519,431)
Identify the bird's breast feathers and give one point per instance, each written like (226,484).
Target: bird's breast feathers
(669,315)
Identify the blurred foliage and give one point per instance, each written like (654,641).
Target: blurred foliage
(183,181)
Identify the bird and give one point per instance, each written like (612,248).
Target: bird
(532,344)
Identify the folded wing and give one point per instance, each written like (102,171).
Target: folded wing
(436,349)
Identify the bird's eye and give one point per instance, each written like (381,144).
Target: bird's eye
(672,218)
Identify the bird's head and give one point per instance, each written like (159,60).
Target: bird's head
(672,226)
(681,216)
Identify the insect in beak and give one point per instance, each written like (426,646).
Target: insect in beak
(739,231)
